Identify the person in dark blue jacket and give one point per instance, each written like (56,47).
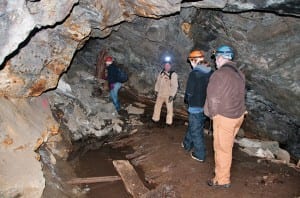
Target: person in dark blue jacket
(195,96)
(114,85)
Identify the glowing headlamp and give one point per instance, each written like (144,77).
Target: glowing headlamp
(167,58)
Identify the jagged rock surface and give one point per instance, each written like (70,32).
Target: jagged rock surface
(86,113)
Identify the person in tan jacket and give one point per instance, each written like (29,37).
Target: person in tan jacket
(225,105)
(165,88)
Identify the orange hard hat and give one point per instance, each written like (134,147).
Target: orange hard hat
(196,54)
(108,59)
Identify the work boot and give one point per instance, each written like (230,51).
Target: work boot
(211,183)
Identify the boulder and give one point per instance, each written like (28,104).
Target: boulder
(283,155)
(264,149)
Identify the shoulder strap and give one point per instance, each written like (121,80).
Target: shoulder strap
(171,72)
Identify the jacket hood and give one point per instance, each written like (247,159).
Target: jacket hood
(202,68)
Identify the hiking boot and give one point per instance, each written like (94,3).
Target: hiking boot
(152,124)
(168,125)
(211,183)
(182,146)
(185,148)
(122,112)
(196,158)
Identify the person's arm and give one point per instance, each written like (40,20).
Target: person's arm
(174,84)
(189,88)
(157,83)
(214,95)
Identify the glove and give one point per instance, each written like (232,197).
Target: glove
(171,98)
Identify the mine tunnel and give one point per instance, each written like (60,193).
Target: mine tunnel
(62,136)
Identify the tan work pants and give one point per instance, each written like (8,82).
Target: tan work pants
(157,109)
(225,130)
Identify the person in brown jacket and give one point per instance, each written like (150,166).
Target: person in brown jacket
(225,105)
(165,88)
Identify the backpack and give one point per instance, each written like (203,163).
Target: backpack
(122,76)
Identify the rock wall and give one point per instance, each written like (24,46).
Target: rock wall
(25,125)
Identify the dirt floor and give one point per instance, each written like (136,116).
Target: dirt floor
(158,153)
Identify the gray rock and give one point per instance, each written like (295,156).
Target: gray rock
(19,18)
(283,155)
(134,110)
(272,146)
(25,125)
(241,133)
(258,152)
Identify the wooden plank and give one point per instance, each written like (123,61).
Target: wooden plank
(89,180)
(132,182)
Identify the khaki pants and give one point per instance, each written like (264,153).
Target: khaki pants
(225,130)
(157,109)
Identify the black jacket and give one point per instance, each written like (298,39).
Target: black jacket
(195,93)
(112,74)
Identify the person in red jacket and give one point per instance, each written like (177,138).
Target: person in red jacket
(114,84)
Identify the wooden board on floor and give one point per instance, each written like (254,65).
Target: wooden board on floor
(132,182)
(89,180)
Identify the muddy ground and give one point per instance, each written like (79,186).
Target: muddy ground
(167,166)
(158,152)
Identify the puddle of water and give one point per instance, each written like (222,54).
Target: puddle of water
(95,163)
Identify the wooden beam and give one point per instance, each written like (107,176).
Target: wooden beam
(132,182)
(89,180)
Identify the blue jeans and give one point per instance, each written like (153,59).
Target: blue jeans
(194,137)
(114,95)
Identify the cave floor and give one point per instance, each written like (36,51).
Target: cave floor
(158,152)
(167,167)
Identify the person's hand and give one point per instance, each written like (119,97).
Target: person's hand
(171,98)
(155,94)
